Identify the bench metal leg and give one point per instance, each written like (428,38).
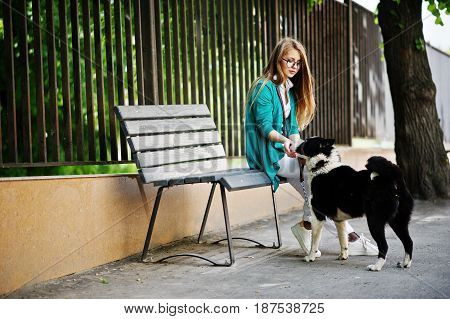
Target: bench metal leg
(152,223)
(205,217)
(258,244)
(227,224)
(278,245)
(227,228)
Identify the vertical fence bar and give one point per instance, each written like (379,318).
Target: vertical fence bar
(341,70)
(157,24)
(129,54)
(25,84)
(252,26)
(67,109)
(176,51)
(234,82)
(350,74)
(167,51)
(99,82)
(327,69)
(221,44)
(229,92)
(39,78)
(192,44)
(206,69)
(77,79)
(263,34)
(11,89)
(110,81)
(119,69)
(184,52)
(214,36)
(88,78)
(258,42)
(241,62)
(138,44)
(313,49)
(320,64)
(119,52)
(199,46)
(53,134)
(152,95)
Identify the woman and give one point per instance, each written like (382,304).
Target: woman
(279,104)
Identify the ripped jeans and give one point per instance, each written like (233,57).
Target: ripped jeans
(290,169)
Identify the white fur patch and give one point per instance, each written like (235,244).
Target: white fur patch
(406,262)
(378,265)
(373,175)
(341,216)
(331,162)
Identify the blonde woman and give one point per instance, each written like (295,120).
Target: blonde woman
(280,103)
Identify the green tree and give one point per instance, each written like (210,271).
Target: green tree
(419,143)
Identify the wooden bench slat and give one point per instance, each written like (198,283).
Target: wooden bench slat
(214,176)
(146,127)
(245,181)
(157,158)
(162,174)
(140,112)
(155,142)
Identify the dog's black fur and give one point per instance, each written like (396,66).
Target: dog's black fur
(379,192)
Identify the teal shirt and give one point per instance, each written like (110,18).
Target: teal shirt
(261,118)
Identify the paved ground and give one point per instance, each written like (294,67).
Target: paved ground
(268,273)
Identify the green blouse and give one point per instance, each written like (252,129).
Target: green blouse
(261,118)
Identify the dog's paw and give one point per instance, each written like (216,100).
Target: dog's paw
(309,258)
(342,256)
(377,266)
(373,268)
(406,263)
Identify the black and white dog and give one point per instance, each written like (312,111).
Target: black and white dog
(340,193)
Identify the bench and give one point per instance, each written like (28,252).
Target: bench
(179,145)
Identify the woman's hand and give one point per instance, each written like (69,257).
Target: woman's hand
(288,148)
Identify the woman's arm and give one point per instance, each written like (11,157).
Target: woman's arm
(288,144)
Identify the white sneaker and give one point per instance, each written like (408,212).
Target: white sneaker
(303,237)
(362,247)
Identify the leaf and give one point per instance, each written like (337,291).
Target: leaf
(393,13)
(419,44)
(439,21)
(375,20)
(401,25)
(441,5)
(103,280)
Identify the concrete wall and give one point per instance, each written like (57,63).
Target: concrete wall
(51,227)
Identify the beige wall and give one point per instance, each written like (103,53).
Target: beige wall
(51,227)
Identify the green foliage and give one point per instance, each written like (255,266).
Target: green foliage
(419,44)
(311,4)
(436,6)
(69,170)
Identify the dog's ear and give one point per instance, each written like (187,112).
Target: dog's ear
(326,142)
(330,141)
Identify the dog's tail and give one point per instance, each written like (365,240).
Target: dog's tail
(379,166)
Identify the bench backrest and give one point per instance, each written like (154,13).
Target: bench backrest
(172,141)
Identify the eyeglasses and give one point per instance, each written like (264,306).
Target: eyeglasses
(291,63)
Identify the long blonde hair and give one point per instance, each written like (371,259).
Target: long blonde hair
(303,81)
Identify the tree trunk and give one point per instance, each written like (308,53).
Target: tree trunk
(419,144)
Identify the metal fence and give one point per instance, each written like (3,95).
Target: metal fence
(67,63)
